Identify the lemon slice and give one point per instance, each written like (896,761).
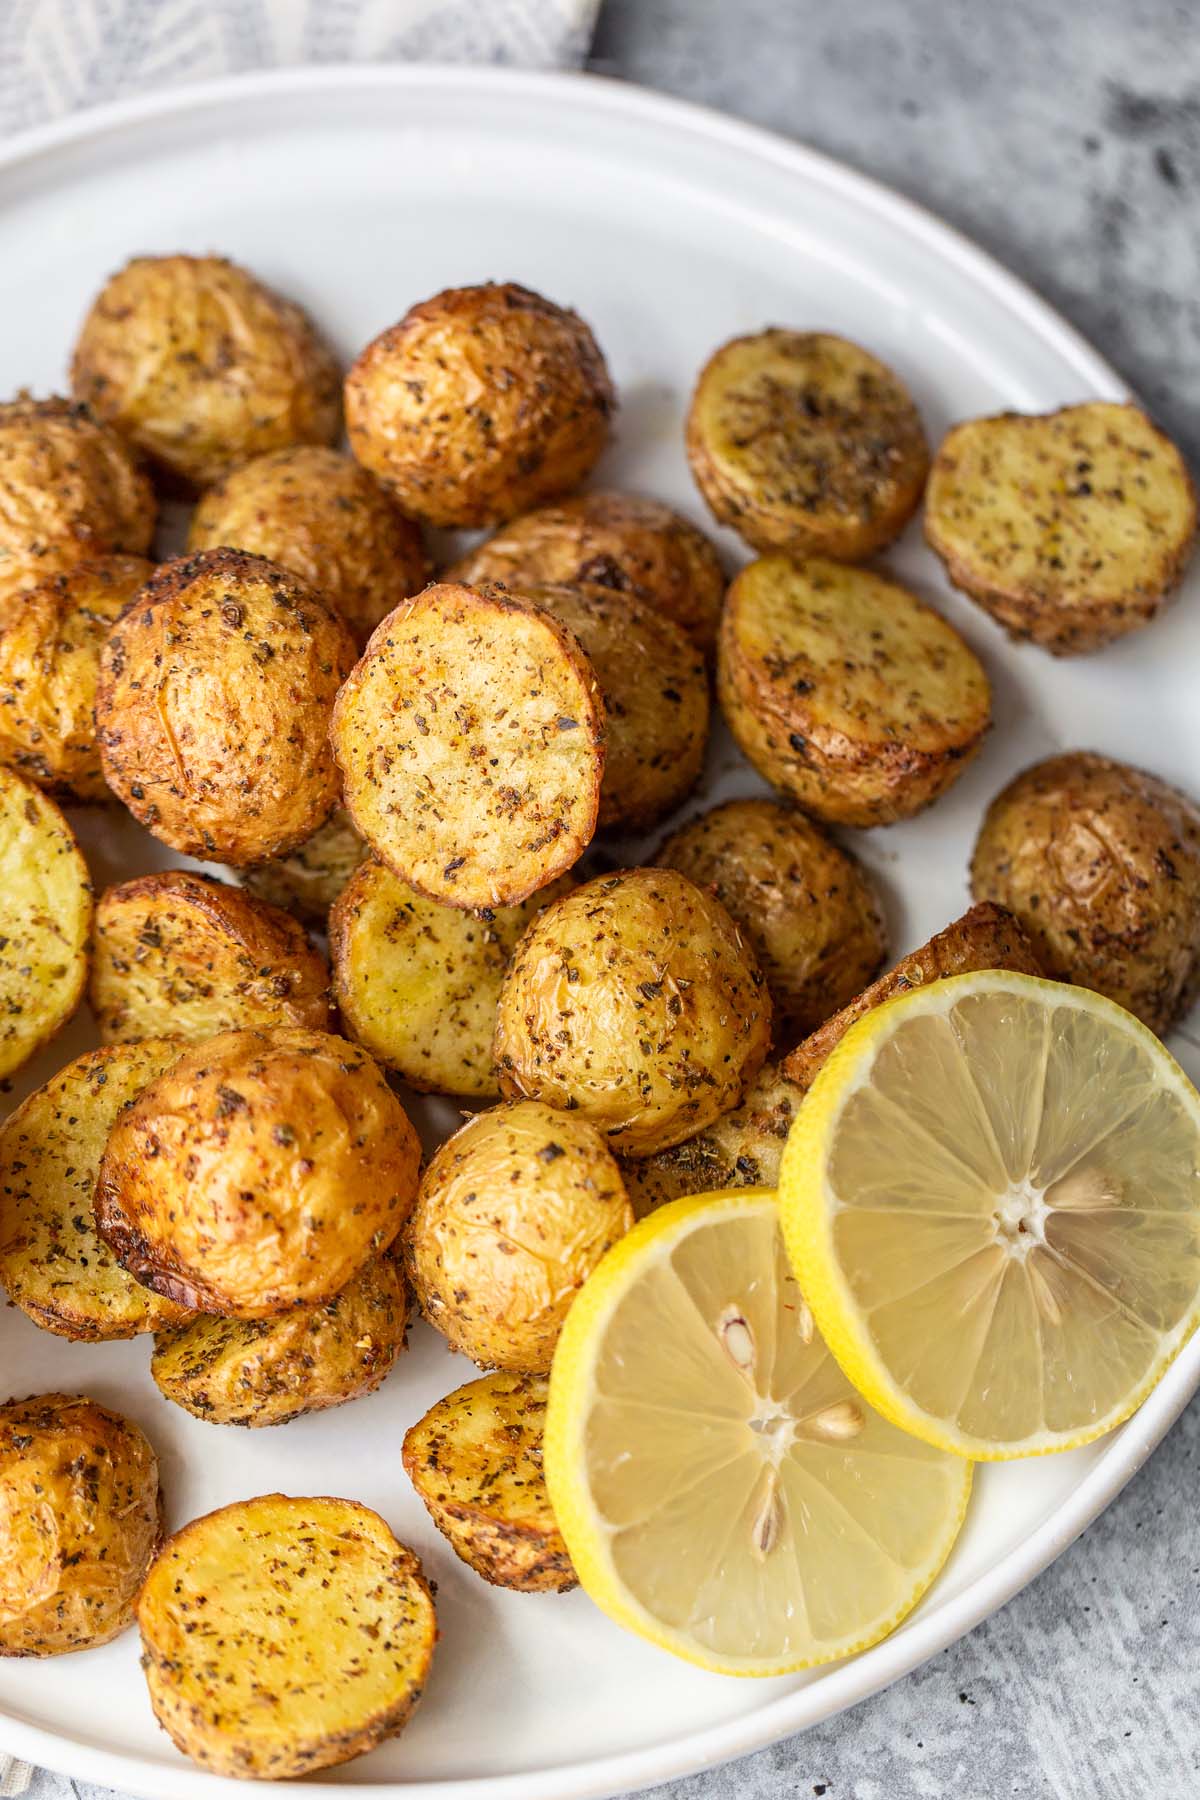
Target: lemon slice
(722,1489)
(991,1197)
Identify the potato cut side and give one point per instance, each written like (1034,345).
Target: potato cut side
(476,1461)
(180,955)
(846,691)
(471,742)
(1070,528)
(309,880)
(740,1149)
(45,918)
(282,1635)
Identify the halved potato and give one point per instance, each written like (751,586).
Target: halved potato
(53,1263)
(740,1149)
(847,692)
(805,442)
(417,982)
(1070,528)
(307,881)
(45,920)
(180,955)
(282,1635)
(476,1461)
(470,737)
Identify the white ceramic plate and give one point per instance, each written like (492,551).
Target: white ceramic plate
(360,191)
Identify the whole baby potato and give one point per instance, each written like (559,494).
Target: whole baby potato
(202,367)
(515,1211)
(637,1002)
(258,1173)
(479,404)
(213,708)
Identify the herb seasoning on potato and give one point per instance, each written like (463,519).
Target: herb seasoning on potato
(306,881)
(45,920)
(742,1148)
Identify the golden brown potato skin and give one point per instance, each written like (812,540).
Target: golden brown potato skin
(805,442)
(259,1173)
(180,955)
(481,403)
(626,542)
(806,906)
(213,709)
(320,515)
(80,1520)
(1101,864)
(260,1372)
(1070,528)
(202,367)
(637,1002)
(845,691)
(476,1461)
(515,1211)
(308,880)
(45,920)
(242,1696)
(742,1148)
(986,937)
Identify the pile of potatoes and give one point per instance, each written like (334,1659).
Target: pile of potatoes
(419,797)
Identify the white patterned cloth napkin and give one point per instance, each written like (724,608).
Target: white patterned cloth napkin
(57,56)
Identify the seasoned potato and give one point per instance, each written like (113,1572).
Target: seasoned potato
(258,1173)
(269,1371)
(847,692)
(1101,864)
(476,1461)
(216,690)
(986,937)
(45,920)
(80,1519)
(470,737)
(51,637)
(656,705)
(479,404)
(53,1264)
(806,906)
(70,490)
(417,983)
(317,513)
(202,367)
(180,955)
(636,1001)
(307,881)
(805,442)
(1070,528)
(515,1211)
(740,1149)
(282,1635)
(622,541)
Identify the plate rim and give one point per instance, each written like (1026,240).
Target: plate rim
(1125,1452)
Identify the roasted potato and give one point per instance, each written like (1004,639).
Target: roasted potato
(1070,528)
(212,713)
(417,983)
(656,706)
(806,906)
(622,541)
(318,514)
(282,1635)
(740,1149)
(53,1264)
(986,937)
(807,443)
(307,881)
(1101,864)
(269,1371)
(476,1461)
(479,404)
(514,1212)
(45,920)
(637,1002)
(260,1172)
(470,737)
(80,1519)
(845,691)
(202,367)
(179,955)
(51,637)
